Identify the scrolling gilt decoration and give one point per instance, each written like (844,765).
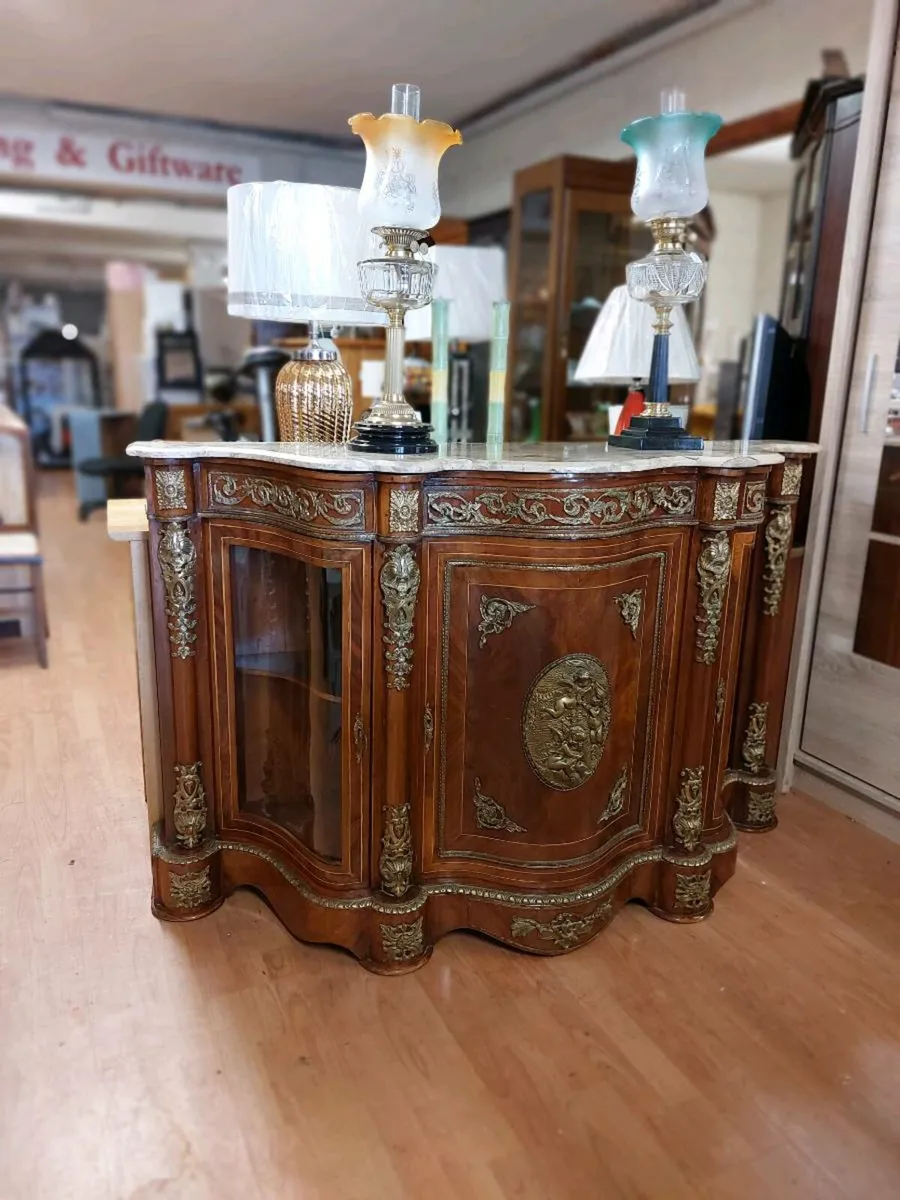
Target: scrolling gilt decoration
(171,489)
(403,943)
(177,558)
(306,506)
(778,545)
(713,567)
(754,498)
(565,930)
(629,606)
(688,820)
(428,726)
(753,750)
(399,588)
(617,797)
(565,721)
(692,892)
(191,889)
(490,813)
(497,615)
(396,861)
(725,503)
(403,511)
(189,815)
(761,809)
(598,508)
(790,478)
(360,739)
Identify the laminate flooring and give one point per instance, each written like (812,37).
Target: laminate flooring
(754,1055)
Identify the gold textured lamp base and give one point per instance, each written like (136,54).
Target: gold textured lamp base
(314,401)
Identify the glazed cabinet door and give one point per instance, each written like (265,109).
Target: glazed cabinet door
(290,695)
(550,734)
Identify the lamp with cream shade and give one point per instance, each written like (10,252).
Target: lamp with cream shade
(619,350)
(293,250)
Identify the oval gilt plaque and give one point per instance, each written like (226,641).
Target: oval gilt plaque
(565,721)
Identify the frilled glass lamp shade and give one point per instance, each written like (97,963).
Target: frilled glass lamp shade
(670,179)
(400,186)
(670,187)
(399,199)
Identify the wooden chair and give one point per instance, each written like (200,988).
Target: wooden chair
(19,547)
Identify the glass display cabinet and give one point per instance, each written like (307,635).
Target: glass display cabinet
(573,233)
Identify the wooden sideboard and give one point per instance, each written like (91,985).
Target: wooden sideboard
(400,698)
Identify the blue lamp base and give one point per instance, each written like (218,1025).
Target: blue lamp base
(655,433)
(650,431)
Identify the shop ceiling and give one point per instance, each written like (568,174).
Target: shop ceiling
(305,68)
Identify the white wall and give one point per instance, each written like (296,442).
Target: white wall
(773,220)
(742,66)
(744,274)
(731,286)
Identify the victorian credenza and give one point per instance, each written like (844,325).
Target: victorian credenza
(501,692)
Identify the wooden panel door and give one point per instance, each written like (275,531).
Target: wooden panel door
(291,694)
(547,746)
(854,693)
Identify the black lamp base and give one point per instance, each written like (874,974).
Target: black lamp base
(394,439)
(655,433)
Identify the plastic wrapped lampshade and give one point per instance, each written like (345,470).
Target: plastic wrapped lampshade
(620,345)
(670,180)
(293,250)
(400,185)
(472,278)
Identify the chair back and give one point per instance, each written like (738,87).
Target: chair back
(151,424)
(17,491)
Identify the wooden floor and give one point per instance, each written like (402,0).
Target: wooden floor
(755,1055)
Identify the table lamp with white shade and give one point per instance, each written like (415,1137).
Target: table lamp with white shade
(293,250)
(619,350)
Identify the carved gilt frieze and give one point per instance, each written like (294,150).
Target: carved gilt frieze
(300,505)
(565,930)
(582,509)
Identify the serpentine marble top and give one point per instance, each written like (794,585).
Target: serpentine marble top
(553,458)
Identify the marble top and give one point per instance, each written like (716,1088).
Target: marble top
(554,458)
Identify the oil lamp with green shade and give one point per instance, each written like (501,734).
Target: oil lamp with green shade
(669,188)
